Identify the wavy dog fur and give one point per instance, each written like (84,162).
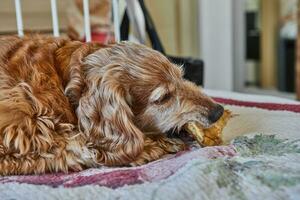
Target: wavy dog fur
(67,105)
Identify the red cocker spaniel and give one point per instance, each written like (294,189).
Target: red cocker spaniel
(67,105)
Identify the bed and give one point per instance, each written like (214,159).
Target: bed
(259,160)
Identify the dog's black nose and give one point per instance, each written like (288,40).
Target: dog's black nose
(215,113)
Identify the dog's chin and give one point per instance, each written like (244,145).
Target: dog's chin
(182,134)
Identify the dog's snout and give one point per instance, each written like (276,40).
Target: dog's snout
(215,113)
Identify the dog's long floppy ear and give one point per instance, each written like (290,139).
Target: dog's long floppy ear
(105,116)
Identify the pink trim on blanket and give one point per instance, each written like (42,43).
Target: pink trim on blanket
(267,106)
(118,177)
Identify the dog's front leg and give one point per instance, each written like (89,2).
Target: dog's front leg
(156,146)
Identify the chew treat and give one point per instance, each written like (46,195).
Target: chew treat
(209,136)
(195,130)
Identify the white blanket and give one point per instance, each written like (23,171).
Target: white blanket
(208,173)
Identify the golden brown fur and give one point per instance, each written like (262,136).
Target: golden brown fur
(67,105)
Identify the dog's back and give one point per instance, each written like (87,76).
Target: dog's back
(35,114)
(30,65)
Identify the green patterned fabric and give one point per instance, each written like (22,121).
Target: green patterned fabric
(263,167)
(264,163)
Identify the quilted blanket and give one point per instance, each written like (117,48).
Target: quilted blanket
(260,160)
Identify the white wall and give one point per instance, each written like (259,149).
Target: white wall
(218,35)
(239,45)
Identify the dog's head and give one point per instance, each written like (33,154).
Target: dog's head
(132,89)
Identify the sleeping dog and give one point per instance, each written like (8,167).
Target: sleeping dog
(67,105)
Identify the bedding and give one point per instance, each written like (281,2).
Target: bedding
(260,159)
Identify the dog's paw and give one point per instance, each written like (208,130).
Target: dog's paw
(172,145)
(156,146)
(149,155)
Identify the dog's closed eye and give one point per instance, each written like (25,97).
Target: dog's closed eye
(160,95)
(165,98)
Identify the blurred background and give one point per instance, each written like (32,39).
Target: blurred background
(247,46)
